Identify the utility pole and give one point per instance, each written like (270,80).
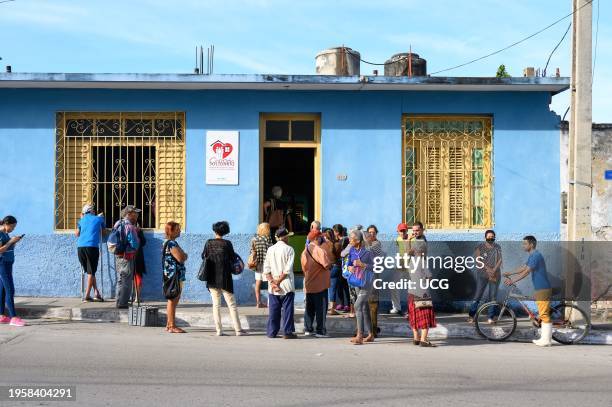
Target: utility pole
(578,259)
(580,156)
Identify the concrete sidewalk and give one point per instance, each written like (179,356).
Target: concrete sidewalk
(450,326)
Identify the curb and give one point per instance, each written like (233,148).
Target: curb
(343,326)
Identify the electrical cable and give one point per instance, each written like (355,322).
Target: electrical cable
(514,43)
(596,43)
(555,48)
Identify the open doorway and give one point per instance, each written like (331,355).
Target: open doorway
(293,169)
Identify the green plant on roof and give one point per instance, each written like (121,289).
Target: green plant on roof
(501,72)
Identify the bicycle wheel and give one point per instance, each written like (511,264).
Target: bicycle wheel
(570,324)
(502,324)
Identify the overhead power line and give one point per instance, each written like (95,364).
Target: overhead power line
(555,48)
(514,43)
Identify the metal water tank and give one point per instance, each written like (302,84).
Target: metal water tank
(397,65)
(341,61)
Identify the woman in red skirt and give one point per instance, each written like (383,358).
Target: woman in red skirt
(421,318)
(420,308)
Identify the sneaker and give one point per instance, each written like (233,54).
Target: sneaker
(87,299)
(308,333)
(16,321)
(4,319)
(322,336)
(395,311)
(98,299)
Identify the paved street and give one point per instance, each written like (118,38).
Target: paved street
(114,364)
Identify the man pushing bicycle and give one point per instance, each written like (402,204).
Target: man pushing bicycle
(536,266)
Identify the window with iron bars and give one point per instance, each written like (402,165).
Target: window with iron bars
(116,159)
(447,171)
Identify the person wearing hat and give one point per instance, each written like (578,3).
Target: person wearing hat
(278,271)
(89,230)
(316,264)
(402,242)
(126,262)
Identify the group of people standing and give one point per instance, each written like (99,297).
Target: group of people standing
(331,261)
(337,271)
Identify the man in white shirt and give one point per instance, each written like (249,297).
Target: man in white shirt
(278,271)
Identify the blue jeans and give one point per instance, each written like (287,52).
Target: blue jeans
(7,288)
(483,284)
(338,289)
(316,309)
(335,275)
(280,309)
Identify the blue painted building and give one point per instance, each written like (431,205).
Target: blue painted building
(460,154)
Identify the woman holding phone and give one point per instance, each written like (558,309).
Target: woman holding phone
(7,258)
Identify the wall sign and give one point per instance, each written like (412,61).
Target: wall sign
(222,157)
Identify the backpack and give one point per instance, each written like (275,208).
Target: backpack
(117,240)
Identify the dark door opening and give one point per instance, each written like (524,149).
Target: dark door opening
(293,170)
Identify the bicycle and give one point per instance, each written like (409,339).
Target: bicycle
(570,323)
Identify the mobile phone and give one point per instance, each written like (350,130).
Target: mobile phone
(21,237)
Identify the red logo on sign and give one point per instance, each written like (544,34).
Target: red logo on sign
(221,150)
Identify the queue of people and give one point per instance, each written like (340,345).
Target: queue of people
(337,271)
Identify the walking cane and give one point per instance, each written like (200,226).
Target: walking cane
(82,283)
(101,288)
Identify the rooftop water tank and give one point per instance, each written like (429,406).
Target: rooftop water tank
(341,61)
(397,65)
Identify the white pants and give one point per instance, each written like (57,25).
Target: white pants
(231,304)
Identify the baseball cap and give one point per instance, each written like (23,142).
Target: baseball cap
(401,227)
(87,208)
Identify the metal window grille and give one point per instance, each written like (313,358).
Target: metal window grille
(118,159)
(448,181)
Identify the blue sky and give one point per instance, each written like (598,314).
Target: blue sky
(273,36)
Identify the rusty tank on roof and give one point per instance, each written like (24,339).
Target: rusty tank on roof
(398,65)
(339,61)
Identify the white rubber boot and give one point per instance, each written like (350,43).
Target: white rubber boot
(545,336)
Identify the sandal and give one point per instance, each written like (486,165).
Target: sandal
(87,299)
(427,344)
(175,330)
(333,312)
(416,342)
(98,298)
(369,338)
